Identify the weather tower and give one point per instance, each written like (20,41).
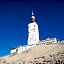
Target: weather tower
(33,32)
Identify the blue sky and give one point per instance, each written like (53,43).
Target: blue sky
(15,16)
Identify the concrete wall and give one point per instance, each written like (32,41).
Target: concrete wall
(33,33)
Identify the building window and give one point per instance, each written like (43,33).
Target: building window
(22,48)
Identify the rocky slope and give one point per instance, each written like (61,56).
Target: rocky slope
(39,53)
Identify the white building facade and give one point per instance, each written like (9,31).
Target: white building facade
(49,40)
(33,32)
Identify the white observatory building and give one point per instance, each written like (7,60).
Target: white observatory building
(33,37)
(33,32)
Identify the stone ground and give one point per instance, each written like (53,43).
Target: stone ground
(39,54)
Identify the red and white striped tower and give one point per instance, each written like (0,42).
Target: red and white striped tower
(33,32)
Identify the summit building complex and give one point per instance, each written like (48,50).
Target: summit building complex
(33,37)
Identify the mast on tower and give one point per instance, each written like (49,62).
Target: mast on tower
(33,17)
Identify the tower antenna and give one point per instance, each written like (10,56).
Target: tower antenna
(32,13)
